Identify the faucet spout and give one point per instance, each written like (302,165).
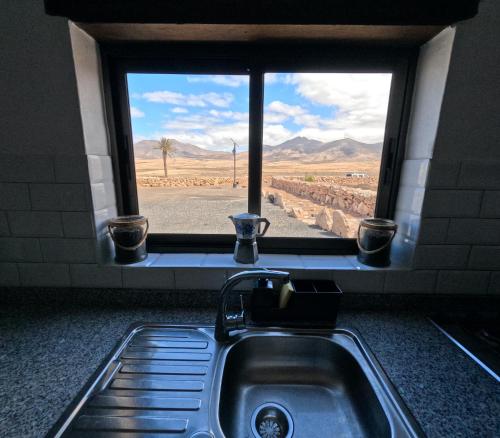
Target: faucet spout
(225,322)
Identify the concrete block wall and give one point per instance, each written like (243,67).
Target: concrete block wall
(57,189)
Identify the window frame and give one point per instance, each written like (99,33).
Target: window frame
(253,60)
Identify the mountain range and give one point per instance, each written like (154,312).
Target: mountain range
(297,148)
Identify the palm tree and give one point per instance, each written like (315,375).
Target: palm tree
(167,150)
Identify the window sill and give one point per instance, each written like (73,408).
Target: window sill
(269,261)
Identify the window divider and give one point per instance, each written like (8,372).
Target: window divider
(255,138)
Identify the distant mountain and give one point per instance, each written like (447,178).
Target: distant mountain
(145,150)
(297,148)
(306,149)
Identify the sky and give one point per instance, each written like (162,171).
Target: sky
(210,110)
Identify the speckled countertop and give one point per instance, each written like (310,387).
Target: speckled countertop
(48,353)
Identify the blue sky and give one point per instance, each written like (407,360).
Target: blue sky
(209,110)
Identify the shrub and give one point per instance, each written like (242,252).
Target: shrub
(309,178)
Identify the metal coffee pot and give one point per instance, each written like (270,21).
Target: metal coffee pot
(247,231)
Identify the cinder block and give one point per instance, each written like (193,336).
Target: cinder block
(68,250)
(4,225)
(35,223)
(85,275)
(26,168)
(491,204)
(485,257)
(469,282)
(452,203)
(14,196)
(71,169)
(433,230)
(441,256)
(474,231)
(480,174)
(20,249)
(8,274)
(494,287)
(199,279)
(410,281)
(59,197)
(443,174)
(355,281)
(78,224)
(44,274)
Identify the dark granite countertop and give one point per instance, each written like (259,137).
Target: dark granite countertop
(48,353)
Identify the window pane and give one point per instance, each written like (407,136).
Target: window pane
(185,129)
(323,136)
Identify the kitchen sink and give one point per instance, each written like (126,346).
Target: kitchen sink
(303,385)
(177,381)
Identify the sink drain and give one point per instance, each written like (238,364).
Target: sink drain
(271,420)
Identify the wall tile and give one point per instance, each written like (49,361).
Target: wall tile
(14,196)
(414,173)
(78,224)
(319,262)
(494,287)
(8,274)
(433,230)
(360,281)
(408,224)
(71,168)
(148,278)
(4,225)
(491,204)
(410,199)
(441,256)
(410,281)
(86,275)
(101,218)
(480,174)
(60,197)
(474,231)
(100,168)
(26,168)
(68,250)
(198,279)
(402,251)
(35,223)
(20,249)
(485,257)
(452,203)
(453,282)
(103,195)
(443,174)
(44,274)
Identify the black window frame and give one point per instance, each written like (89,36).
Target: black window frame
(254,60)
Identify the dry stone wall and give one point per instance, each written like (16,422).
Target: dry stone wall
(355,201)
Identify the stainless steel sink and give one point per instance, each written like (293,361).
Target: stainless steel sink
(177,381)
(279,384)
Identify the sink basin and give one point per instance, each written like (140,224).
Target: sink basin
(300,385)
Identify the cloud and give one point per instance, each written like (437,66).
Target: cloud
(285,109)
(227,80)
(360,102)
(179,110)
(222,100)
(234,115)
(136,113)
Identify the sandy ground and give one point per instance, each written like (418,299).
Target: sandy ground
(205,210)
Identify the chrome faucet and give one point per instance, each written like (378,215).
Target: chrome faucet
(228,321)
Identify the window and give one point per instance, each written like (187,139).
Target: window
(312,142)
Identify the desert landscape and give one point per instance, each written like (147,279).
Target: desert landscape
(310,188)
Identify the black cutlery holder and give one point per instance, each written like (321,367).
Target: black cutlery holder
(314,303)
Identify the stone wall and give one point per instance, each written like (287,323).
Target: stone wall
(179,181)
(355,201)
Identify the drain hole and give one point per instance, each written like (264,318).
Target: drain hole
(271,420)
